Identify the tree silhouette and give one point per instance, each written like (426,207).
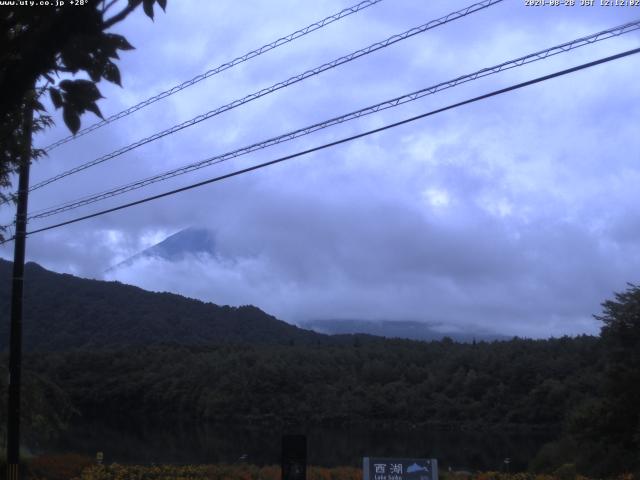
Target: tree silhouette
(38,46)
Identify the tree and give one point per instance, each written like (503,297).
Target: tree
(38,45)
(621,337)
(608,428)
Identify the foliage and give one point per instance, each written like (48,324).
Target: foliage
(621,337)
(210,472)
(47,42)
(520,383)
(94,315)
(232,472)
(607,426)
(566,471)
(553,455)
(58,467)
(38,46)
(46,408)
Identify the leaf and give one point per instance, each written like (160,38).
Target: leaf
(42,122)
(83,91)
(95,72)
(113,54)
(163,4)
(112,74)
(56,98)
(74,55)
(65,85)
(71,119)
(118,41)
(38,153)
(93,107)
(147,6)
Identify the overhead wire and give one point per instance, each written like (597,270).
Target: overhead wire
(220,68)
(277,86)
(343,140)
(400,100)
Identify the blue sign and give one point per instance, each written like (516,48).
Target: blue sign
(399,468)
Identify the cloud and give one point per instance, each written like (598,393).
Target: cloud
(306,258)
(517,214)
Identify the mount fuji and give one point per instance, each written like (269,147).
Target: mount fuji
(190,241)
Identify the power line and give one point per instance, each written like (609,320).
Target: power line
(343,140)
(221,68)
(277,86)
(533,57)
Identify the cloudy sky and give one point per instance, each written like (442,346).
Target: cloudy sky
(515,215)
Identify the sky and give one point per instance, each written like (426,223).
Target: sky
(516,215)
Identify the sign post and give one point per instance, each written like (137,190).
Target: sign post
(399,468)
(294,457)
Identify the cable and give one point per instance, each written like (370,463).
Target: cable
(221,68)
(265,91)
(341,141)
(533,57)
(327,66)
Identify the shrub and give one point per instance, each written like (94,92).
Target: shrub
(58,467)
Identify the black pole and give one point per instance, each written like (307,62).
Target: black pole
(15,345)
(294,457)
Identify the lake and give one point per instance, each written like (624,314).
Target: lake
(182,443)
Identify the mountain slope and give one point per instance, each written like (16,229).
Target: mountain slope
(411,330)
(65,312)
(190,241)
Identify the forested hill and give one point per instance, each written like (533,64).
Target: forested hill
(524,383)
(64,312)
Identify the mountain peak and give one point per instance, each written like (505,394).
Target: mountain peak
(190,241)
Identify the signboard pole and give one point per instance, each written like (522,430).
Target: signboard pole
(294,457)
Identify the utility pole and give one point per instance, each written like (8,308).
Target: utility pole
(15,345)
